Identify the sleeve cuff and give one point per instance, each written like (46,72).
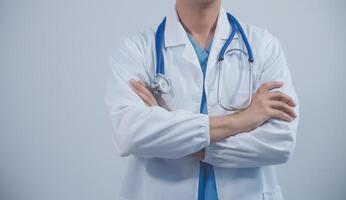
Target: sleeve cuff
(206,130)
(206,158)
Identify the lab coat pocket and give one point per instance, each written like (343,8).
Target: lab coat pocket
(272,195)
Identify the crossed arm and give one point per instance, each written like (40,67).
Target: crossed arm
(265,105)
(263,134)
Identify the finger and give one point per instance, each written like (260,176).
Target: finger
(139,91)
(278,105)
(279,96)
(147,91)
(140,87)
(147,87)
(145,98)
(133,82)
(143,88)
(281,115)
(136,84)
(283,107)
(143,83)
(265,87)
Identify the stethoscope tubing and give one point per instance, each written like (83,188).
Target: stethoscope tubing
(236,27)
(250,88)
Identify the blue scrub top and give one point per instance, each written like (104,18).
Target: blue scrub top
(207,184)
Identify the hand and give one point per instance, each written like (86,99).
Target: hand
(144,92)
(265,105)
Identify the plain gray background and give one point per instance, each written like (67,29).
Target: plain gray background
(56,139)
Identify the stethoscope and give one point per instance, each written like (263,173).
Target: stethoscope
(162,85)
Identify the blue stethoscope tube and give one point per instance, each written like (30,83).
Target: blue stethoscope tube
(161,83)
(159,37)
(236,27)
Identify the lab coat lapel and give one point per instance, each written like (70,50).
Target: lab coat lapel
(190,55)
(222,31)
(175,35)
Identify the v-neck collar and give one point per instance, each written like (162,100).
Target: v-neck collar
(197,47)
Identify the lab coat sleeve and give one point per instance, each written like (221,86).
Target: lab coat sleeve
(148,131)
(273,142)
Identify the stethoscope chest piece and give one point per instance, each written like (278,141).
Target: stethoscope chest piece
(161,84)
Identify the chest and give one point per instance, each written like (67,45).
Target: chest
(225,82)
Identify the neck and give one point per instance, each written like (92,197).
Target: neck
(199,18)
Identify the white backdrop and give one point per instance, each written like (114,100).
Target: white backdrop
(55,136)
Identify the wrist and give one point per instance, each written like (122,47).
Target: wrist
(225,126)
(232,123)
(242,122)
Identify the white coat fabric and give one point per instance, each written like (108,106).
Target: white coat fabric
(158,141)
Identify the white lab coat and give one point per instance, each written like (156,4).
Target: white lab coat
(157,141)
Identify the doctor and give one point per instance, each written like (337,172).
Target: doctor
(184,144)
